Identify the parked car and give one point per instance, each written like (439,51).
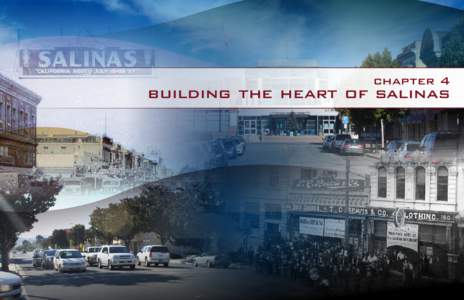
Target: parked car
(408,151)
(47,259)
(154,255)
(10,286)
(115,256)
(229,148)
(211,260)
(190,259)
(37,258)
(68,260)
(91,255)
(393,146)
(216,152)
(350,146)
(338,141)
(327,143)
(240,145)
(437,146)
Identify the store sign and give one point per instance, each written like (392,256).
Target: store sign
(312,226)
(406,235)
(298,203)
(85,61)
(334,228)
(322,227)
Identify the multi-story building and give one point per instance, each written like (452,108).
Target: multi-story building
(18,113)
(422,202)
(410,55)
(88,162)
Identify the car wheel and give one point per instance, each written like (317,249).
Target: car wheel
(132,267)
(110,266)
(209,264)
(60,268)
(166,265)
(147,264)
(195,265)
(100,264)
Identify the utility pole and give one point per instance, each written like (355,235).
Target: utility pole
(347,201)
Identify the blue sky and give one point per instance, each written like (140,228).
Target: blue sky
(452,3)
(94,17)
(90,17)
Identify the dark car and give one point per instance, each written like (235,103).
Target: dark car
(47,259)
(229,146)
(339,140)
(352,147)
(216,153)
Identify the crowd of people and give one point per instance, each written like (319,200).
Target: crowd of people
(328,265)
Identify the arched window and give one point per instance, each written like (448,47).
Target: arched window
(420,183)
(400,182)
(382,183)
(442,184)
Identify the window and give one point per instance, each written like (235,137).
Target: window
(442,184)
(382,183)
(3,151)
(400,183)
(420,183)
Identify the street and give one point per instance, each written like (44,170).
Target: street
(179,281)
(302,155)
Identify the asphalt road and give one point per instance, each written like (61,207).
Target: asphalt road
(302,154)
(179,281)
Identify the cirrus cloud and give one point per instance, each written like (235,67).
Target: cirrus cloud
(160,10)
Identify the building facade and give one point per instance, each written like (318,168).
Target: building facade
(89,163)
(18,117)
(310,122)
(423,199)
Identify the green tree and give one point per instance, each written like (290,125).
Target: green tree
(27,246)
(77,235)
(98,225)
(382,59)
(453,48)
(59,239)
(116,221)
(19,207)
(366,118)
(156,209)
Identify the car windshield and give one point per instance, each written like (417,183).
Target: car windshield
(160,249)
(119,250)
(93,250)
(70,254)
(50,252)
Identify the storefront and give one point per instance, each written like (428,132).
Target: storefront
(329,227)
(425,237)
